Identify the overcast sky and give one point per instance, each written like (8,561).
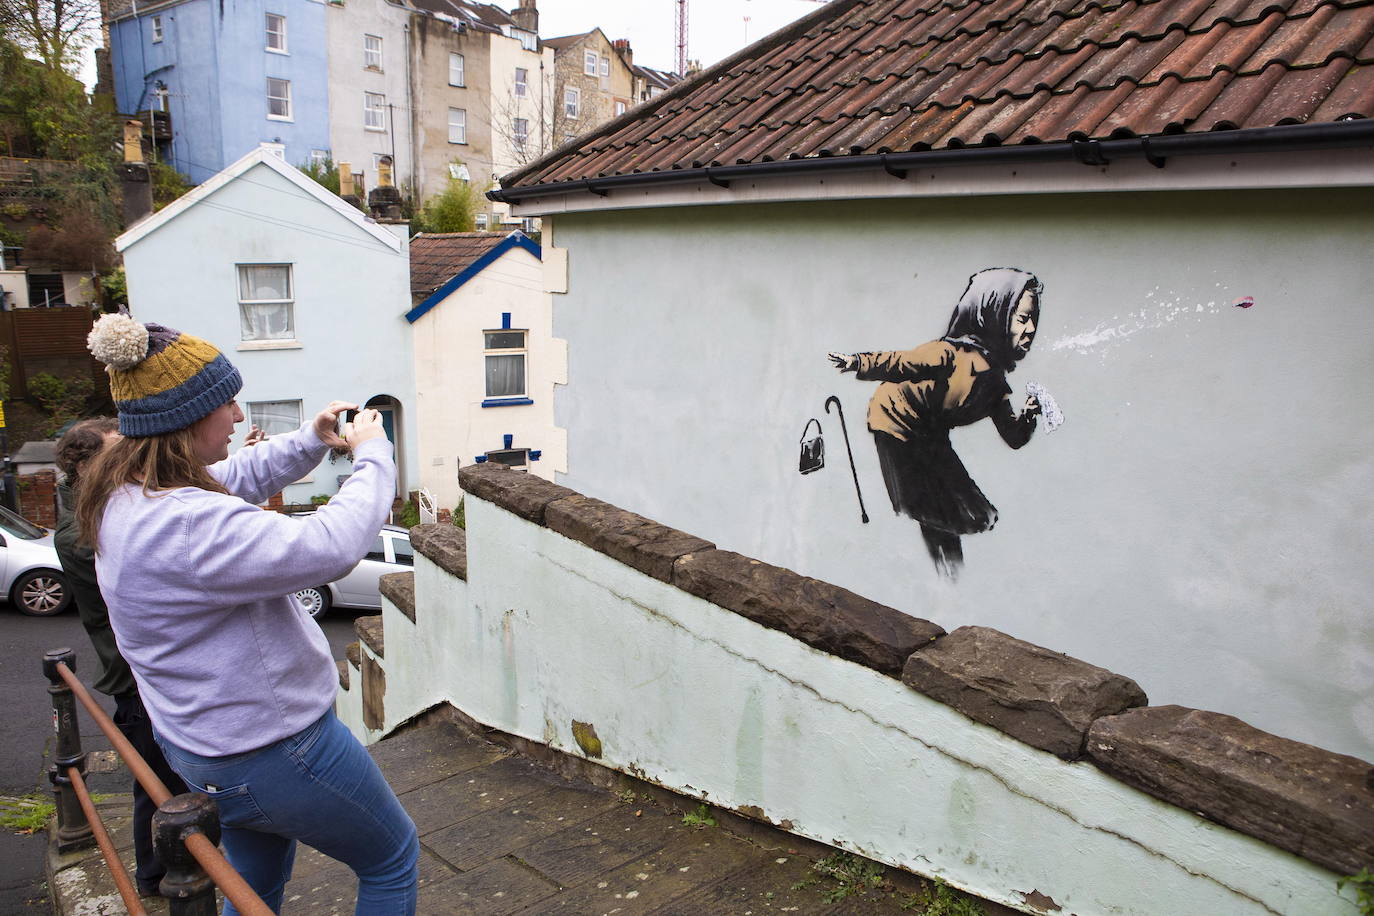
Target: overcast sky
(715,29)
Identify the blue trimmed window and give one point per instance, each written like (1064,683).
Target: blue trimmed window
(505,355)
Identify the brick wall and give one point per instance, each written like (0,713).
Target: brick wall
(38,497)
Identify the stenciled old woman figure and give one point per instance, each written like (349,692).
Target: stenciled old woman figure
(954,381)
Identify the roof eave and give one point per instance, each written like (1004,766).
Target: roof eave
(1155,149)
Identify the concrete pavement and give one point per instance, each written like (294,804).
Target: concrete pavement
(502,834)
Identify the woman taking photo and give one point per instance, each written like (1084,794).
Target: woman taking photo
(236,677)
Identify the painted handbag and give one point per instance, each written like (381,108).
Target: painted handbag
(812,449)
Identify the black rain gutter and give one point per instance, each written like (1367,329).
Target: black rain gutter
(1155,149)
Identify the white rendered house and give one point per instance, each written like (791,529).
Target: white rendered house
(305,294)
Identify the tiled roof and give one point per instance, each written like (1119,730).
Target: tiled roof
(660,78)
(863,77)
(484,17)
(564,41)
(435,258)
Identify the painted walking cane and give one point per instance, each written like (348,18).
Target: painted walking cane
(845,430)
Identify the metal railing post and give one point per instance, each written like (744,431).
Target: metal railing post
(186,885)
(73,830)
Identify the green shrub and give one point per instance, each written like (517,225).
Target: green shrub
(63,399)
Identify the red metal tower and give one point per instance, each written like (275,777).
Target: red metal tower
(681,35)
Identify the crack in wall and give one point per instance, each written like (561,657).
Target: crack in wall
(889,726)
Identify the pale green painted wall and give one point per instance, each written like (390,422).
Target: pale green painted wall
(1202,522)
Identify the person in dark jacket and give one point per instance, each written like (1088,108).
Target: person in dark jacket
(80,443)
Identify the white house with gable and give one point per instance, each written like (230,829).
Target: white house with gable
(305,294)
(486,361)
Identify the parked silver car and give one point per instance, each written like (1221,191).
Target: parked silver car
(390,553)
(30,572)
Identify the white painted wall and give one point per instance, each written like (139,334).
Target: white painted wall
(346,24)
(683,693)
(1200,523)
(454,427)
(16,283)
(506,55)
(351,291)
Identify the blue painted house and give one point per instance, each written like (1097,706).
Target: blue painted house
(229,78)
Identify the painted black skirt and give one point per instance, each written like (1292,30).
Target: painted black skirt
(927,481)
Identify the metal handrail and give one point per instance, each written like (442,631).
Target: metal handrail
(102,839)
(183,824)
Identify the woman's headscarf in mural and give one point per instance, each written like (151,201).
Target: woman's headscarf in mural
(982,319)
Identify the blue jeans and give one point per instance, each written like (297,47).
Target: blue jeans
(319,786)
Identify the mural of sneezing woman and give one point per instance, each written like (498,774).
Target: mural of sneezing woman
(956,380)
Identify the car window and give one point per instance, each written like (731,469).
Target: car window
(405,554)
(18,526)
(378,551)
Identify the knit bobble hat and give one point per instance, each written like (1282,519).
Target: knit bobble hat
(161,379)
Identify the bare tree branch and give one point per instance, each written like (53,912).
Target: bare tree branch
(52,31)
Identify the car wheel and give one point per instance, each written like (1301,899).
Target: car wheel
(41,593)
(316,600)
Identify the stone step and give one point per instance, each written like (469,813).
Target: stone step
(399,589)
(369,630)
(445,545)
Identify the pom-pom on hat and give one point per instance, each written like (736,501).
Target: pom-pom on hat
(162,380)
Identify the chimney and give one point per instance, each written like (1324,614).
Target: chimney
(627,54)
(526,16)
(133,175)
(385,199)
(346,188)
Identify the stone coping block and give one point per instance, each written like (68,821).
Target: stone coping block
(1314,803)
(515,491)
(822,615)
(1044,698)
(354,653)
(446,545)
(399,589)
(369,630)
(343,673)
(632,539)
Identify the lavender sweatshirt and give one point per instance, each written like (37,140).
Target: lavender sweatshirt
(199,587)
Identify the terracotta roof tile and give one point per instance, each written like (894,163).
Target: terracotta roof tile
(871,76)
(435,258)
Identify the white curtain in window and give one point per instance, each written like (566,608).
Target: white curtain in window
(505,376)
(274,417)
(265,282)
(266,321)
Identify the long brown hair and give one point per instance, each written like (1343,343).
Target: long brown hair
(163,462)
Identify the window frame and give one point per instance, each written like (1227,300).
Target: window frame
(572,102)
(369,108)
(621,107)
(589,62)
(300,414)
(158,34)
(520,133)
(462,125)
(284,98)
(369,53)
(522,351)
(456,57)
(522,86)
(605,67)
(280,34)
(240,275)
